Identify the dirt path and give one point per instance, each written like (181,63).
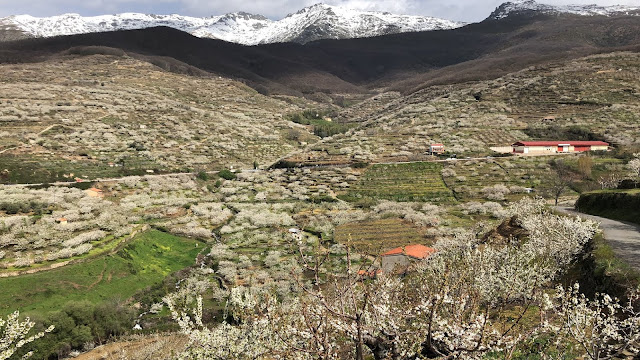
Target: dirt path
(9,149)
(47,129)
(624,237)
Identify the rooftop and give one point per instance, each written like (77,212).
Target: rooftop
(557,143)
(415,251)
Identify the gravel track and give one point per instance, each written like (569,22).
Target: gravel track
(624,237)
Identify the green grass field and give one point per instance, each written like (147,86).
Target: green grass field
(376,236)
(146,261)
(419,181)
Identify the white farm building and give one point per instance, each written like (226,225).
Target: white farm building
(558,147)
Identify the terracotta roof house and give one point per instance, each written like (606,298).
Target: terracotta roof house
(93,192)
(557,147)
(400,258)
(436,149)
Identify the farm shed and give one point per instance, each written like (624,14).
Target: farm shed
(436,149)
(558,147)
(400,258)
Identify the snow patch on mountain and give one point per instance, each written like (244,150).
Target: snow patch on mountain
(531,6)
(312,23)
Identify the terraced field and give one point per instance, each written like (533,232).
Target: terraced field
(377,236)
(48,167)
(469,178)
(402,182)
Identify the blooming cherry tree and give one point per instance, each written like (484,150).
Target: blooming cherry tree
(603,327)
(14,334)
(634,166)
(466,300)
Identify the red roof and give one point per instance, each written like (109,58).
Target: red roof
(395,251)
(415,251)
(437,144)
(557,143)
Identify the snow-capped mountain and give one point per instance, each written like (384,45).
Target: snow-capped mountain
(532,7)
(312,23)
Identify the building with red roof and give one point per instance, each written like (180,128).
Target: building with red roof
(436,149)
(94,192)
(557,147)
(401,257)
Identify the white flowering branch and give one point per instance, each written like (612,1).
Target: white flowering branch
(14,334)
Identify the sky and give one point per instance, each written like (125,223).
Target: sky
(460,10)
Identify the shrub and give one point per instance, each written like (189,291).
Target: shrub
(284,164)
(496,192)
(202,175)
(80,323)
(360,165)
(293,134)
(321,198)
(227,174)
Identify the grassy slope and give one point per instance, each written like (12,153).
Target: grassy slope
(149,258)
(599,270)
(618,205)
(402,182)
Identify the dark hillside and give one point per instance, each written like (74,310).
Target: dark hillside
(410,60)
(542,40)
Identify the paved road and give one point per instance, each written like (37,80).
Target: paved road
(624,237)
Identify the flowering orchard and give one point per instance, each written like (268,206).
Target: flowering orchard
(469,300)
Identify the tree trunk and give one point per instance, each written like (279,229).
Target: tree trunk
(359,340)
(384,347)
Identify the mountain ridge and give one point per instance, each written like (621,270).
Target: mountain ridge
(323,68)
(531,7)
(316,22)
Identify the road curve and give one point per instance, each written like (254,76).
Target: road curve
(623,237)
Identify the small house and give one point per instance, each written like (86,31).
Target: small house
(62,221)
(400,258)
(435,149)
(93,192)
(549,118)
